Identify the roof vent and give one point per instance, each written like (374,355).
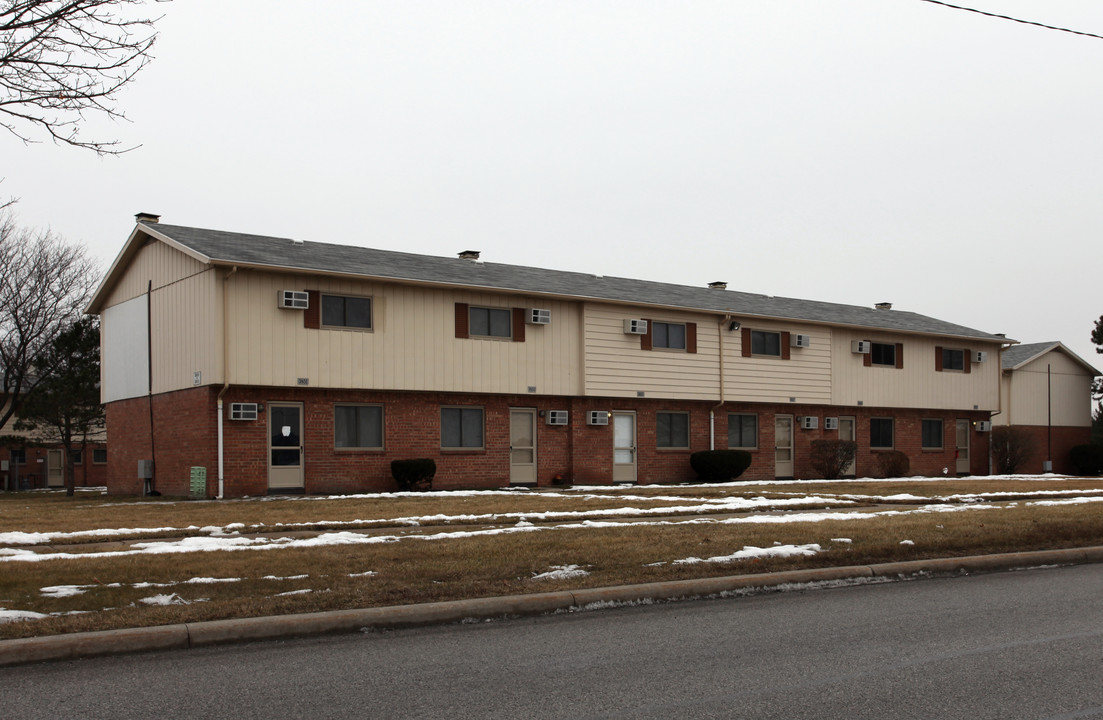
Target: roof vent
(883,306)
(718,285)
(296,242)
(147,218)
(472,255)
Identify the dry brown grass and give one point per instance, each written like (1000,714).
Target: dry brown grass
(420,570)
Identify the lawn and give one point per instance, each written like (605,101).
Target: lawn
(96,562)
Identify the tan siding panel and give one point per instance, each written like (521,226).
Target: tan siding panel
(1065,389)
(155,262)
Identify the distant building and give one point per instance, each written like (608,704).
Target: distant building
(28,462)
(1046,388)
(287,366)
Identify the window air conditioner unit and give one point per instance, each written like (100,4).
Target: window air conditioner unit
(809,423)
(538,316)
(800,341)
(831,423)
(862,347)
(556,417)
(293,300)
(635,327)
(243,411)
(984,426)
(980,356)
(597,417)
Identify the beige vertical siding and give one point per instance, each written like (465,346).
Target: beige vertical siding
(186,320)
(617,367)
(917,384)
(1027,394)
(411,347)
(154,262)
(805,376)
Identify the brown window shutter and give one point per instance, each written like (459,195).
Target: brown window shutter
(691,337)
(867,359)
(967,365)
(518,324)
(899,356)
(312,318)
(785,350)
(463,321)
(746,342)
(938,359)
(645,339)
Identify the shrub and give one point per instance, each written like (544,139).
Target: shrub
(416,474)
(892,464)
(719,465)
(831,457)
(1087,459)
(1012,447)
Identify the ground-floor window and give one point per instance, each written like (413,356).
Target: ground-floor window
(932,434)
(672,429)
(358,427)
(18,457)
(78,457)
(880,433)
(99,456)
(742,431)
(461,428)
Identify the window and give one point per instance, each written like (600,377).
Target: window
(490,322)
(99,456)
(346,312)
(880,433)
(672,430)
(932,434)
(78,457)
(953,359)
(461,427)
(765,343)
(18,457)
(742,431)
(883,354)
(668,335)
(358,427)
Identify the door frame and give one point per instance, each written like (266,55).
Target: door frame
(781,465)
(958,459)
(60,455)
(850,470)
(524,474)
(282,477)
(622,471)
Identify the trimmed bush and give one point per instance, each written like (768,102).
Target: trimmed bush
(412,475)
(1087,459)
(1012,447)
(831,457)
(893,464)
(719,465)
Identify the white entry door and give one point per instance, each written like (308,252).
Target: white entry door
(963,428)
(783,446)
(522,446)
(55,474)
(846,432)
(285,446)
(624,447)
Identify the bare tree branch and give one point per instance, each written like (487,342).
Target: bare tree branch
(62,60)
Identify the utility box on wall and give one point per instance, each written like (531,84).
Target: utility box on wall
(199,482)
(145,469)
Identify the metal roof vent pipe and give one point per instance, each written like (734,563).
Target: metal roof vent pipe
(883,306)
(718,285)
(147,218)
(472,255)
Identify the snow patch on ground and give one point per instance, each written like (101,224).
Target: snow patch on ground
(171,599)
(750,552)
(7,616)
(561,572)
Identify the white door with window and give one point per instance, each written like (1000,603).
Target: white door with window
(285,446)
(963,429)
(624,447)
(783,446)
(55,468)
(847,432)
(522,446)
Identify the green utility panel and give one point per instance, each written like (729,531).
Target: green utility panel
(199,482)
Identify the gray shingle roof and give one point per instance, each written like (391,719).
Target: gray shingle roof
(282,253)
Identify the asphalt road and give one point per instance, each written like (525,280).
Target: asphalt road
(1007,645)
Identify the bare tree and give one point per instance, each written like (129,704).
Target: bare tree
(1012,448)
(61,60)
(45,285)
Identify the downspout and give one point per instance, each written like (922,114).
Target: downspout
(225,382)
(712,411)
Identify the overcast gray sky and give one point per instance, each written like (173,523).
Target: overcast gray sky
(851,151)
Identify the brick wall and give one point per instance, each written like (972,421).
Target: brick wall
(1063,440)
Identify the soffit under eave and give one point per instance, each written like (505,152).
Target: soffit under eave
(133,244)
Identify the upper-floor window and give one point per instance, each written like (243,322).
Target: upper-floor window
(932,434)
(490,322)
(880,433)
(765,343)
(883,354)
(358,427)
(953,359)
(668,335)
(343,311)
(742,431)
(672,429)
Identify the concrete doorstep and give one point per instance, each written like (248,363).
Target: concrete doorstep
(169,637)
